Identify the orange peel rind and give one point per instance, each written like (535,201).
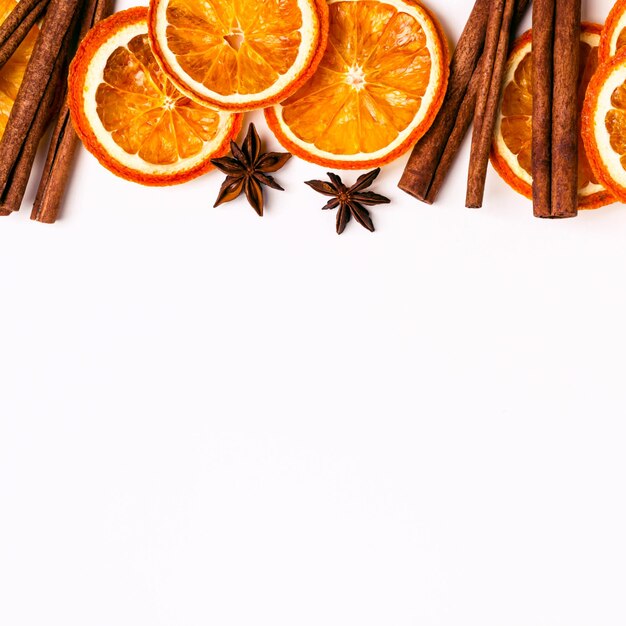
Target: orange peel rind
(604,124)
(613,36)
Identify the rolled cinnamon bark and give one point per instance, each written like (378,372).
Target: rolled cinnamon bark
(564,189)
(488,98)
(64,140)
(422,165)
(54,34)
(464,119)
(13,194)
(57,169)
(542,59)
(17,25)
(50,103)
(435,153)
(16,17)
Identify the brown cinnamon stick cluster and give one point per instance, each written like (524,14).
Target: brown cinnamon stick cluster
(41,99)
(556,51)
(473,93)
(489,85)
(64,139)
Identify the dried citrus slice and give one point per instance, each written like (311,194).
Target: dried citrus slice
(12,73)
(511,148)
(614,32)
(376,91)
(604,124)
(238,55)
(131,117)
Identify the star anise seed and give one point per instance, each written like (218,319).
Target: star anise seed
(247,170)
(350,200)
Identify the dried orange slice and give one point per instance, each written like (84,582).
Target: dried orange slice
(604,124)
(376,91)
(12,73)
(131,117)
(238,55)
(614,32)
(511,148)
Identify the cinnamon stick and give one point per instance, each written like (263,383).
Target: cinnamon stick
(435,153)
(18,24)
(16,17)
(542,59)
(564,189)
(53,35)
(422,164)
(556,51)
(64,140)
(496,51)
(464,119)
(14,193)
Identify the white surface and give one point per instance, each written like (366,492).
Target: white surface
(212,418)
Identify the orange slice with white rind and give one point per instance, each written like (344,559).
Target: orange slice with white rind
(376,91)
(131,117)
(238,55)
(614,32)
(511,147)
(604,124)
(12,74)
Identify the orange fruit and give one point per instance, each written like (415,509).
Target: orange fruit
(12,73)
(131,117)
(376,91)
(238,55)
(604,124)
(614,32)
(511,147)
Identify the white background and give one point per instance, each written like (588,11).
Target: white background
(212,418)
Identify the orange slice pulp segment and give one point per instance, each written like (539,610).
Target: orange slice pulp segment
(143,111)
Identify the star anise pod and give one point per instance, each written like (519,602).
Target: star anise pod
(350,200)
(246,170)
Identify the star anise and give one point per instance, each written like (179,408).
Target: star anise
(350,200)
(246,170)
